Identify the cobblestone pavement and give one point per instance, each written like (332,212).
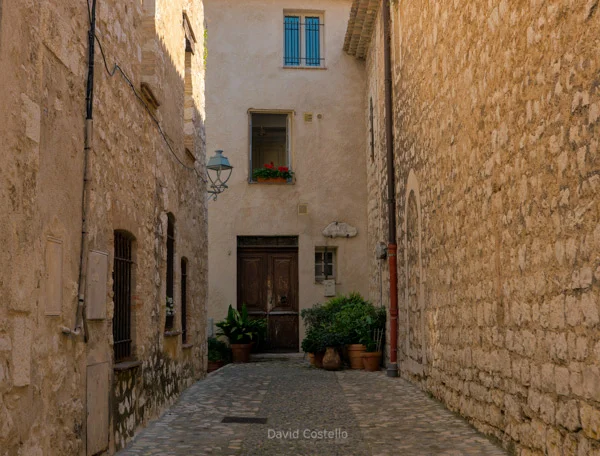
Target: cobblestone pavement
(309,412)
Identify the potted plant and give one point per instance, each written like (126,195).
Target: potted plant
(314,345)
(372,355)
(218,354)
(356,318)
(271,174)
(241,332)
(332,342)
(341,320)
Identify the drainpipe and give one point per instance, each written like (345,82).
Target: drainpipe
(80,317)
(392,367)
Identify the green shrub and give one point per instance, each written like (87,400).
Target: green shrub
(341,320)
(357,319)
(239,328)
(313,342)
(218,350)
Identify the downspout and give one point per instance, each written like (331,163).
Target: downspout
(80,317)
(392,367)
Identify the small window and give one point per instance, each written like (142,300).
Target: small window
(184,337)
(270,141)
(170,304)
(372,128)
(324,263)
(303,40)
(122,287)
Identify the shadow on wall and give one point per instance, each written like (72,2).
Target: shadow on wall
(160,96)
(143,174)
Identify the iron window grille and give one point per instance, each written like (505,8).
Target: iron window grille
(122,287)
(169,322)
(324,263)
(372,128)
(184,300)
(303,41)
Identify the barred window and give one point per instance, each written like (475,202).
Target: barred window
(324,263)
(184,331)
(169,323)
(122,290)
(303,40)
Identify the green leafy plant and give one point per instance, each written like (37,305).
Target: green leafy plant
(218,350)
(372,340)
(239,328)
(269,171)
(170,307)
(314,342)
(332,339)
(356,317)
(342,320)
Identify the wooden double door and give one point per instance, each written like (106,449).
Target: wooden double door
(268,285)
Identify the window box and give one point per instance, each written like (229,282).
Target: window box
(271,180)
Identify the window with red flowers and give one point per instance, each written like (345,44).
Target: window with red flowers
(270,146)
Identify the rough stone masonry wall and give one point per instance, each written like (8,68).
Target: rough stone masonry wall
(496,127)
(134,182)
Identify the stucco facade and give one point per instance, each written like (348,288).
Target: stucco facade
(246,74)
(496,158)
(61,392)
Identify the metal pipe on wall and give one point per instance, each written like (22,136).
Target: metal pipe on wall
(392,367)
(80,317)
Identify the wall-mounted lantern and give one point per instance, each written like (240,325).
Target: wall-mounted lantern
(219,171)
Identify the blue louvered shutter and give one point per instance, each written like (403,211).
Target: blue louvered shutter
(292,41)
(313,41)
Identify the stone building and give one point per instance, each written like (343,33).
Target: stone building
(280,89)
(495,119)
(78,377)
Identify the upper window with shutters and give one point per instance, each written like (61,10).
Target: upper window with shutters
(303,39)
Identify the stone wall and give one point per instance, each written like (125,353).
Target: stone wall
(496,109)
(58,393)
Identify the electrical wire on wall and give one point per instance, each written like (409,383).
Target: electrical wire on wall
(80,317)
(117,68)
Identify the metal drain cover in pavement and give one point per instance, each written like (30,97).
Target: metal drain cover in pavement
(244,419)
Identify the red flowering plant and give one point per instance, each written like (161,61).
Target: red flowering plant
(269,171)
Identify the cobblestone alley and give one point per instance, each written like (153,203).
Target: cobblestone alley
(307,411)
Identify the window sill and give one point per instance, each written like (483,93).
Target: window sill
(126,365)
(187,346)
(301,67)
(272,182)
(172,333)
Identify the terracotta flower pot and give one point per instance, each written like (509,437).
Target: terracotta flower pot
(241,352)
(214,365)
(311,358)
(318,357)
(371,361)
(332,360)
(355,353)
